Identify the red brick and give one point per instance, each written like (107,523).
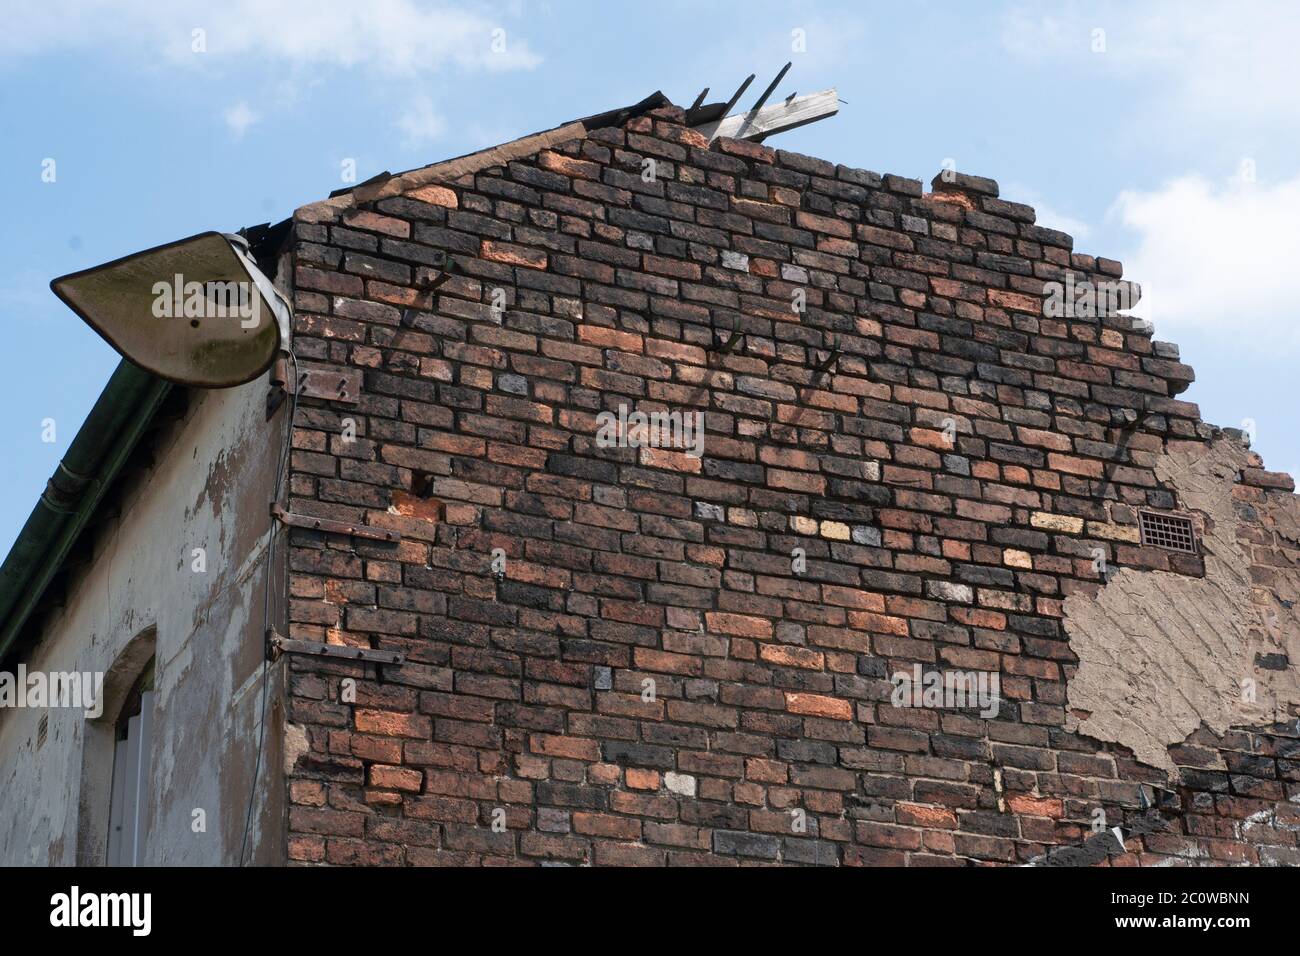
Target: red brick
(815,705)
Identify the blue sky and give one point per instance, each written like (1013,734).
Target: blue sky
(1163,134)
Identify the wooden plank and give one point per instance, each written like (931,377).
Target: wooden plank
(778,118)
(131,803)
(117,804)
(771,88)
(139,837)
(735,97)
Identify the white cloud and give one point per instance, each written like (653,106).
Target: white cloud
(1110,36)
(1051,218)
(1219,257)
(1211,253)
(404,37)
(239,118)
(1231,61)
(419,123)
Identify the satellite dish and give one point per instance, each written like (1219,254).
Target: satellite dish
(197,312)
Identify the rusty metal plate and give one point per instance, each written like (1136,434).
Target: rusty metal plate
(345,652)
(335,385)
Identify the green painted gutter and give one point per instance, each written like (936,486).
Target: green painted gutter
(110,433)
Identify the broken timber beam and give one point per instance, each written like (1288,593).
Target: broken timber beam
(799,111)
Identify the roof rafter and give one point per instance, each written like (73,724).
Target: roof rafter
(769,120)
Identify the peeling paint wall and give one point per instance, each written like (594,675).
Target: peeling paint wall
(1161,653)
(209,489)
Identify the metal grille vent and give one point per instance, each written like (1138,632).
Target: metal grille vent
(1167,531)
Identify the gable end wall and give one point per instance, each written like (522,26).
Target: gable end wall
(951,478)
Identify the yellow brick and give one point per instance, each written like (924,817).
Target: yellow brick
(835,530)
(800,524)
(743,517)
(1017,559)
(1114,532)
(1045,519)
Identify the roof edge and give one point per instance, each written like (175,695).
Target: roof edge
(385,186)
(101,446)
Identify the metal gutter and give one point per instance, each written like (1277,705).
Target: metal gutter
(105,440)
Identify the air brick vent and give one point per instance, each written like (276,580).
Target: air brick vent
(1171,532)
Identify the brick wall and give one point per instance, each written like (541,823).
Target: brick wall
(646,673)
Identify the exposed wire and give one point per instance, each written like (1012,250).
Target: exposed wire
(266,598)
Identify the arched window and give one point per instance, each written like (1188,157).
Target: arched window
(113,809)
